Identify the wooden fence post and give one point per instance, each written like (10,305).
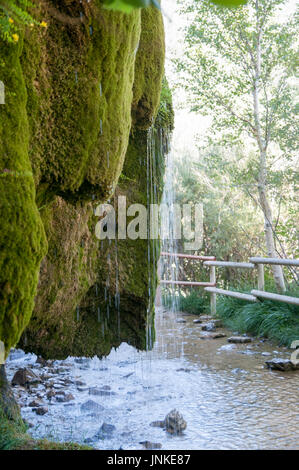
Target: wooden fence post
(213,296)
(261,277)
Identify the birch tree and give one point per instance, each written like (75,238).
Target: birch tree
(239,68)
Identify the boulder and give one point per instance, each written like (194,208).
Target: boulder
(36,403)
(239,339)
(25,377)
(174,422)
(40,410)
(284,365)
(209,326)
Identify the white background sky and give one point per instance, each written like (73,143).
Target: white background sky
(187,124)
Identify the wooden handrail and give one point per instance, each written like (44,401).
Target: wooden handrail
(280,298)
(279,261)
(255,262)
(181,255)
(188,283)
(231,293)
(229,264)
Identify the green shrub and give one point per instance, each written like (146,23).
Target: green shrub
(270,319)
(194,302)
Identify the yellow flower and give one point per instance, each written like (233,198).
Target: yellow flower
(44,24)
(10,20)
(15,37)
(31,25)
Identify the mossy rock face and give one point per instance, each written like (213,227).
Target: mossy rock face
(148,69)
(78,82)
(23,242)
(94,295)
(66,273)
(79,76)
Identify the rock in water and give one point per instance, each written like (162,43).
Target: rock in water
(209,335)
(40,411)
(105,431)
(91,406)
(174,422)
(151,445)
(65,398)
(239,339)
(283,365)
(209,326)
(25,377)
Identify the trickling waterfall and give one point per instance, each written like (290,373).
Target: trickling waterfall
(157,147)
(168,265)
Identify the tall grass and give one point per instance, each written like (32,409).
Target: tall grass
(193,302)
(269,319)
(274,320)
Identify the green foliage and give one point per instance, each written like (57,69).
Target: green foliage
(127,6)
(191,302)
(14,14)
(251,152)
(274,320)
(229,3)
(194,303)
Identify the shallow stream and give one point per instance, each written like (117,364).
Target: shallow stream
(227,397)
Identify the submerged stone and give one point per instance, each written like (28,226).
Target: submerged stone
(105,431)
(91,406)
(283,365)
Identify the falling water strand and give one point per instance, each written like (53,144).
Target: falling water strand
(169,264)
(117,293)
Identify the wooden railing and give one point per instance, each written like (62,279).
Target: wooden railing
(255,263)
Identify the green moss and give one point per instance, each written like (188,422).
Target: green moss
(23,242)
(149,69)
(73,313)
(65,276)
(79,77)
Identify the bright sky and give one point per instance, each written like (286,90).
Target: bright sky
(187,124)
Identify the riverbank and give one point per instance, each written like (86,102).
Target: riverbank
(276,321)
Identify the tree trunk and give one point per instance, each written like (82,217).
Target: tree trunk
(263,145)
(269,236)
